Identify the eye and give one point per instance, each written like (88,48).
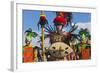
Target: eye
(53,47)
(66,48)
(66,52)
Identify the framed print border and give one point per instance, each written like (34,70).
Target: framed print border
(16,23)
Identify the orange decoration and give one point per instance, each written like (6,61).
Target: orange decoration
(28,55)
(85,53)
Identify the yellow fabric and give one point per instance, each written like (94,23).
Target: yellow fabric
(42,15)
(35,56)
(28,46)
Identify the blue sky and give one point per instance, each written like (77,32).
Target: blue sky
(31,17)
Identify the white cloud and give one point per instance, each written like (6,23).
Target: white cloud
(36,43)
(84,25)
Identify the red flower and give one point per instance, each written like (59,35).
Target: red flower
(60,20)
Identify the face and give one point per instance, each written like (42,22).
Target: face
(60,50)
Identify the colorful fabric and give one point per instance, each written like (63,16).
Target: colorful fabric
(60,20)
(43,18)
(28,54)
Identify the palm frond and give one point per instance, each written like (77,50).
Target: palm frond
(50,29)
(76,36)
(34,34)
(73,28)
(47,29)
